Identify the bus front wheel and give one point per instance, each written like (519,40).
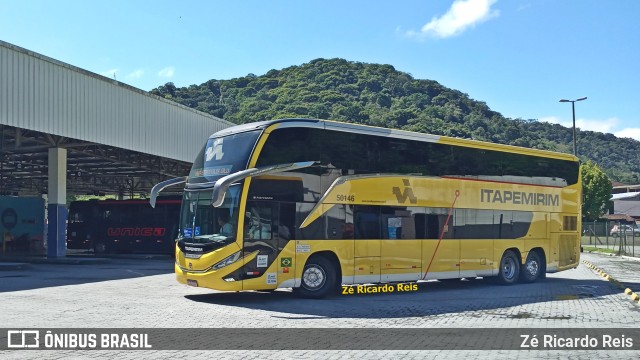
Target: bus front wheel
(318,278)
(509,268)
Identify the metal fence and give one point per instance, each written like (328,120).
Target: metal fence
(620,238)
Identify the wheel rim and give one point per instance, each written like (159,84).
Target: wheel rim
(313,277)
(533,267)
(508,268)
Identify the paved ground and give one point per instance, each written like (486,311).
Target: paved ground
(126,293)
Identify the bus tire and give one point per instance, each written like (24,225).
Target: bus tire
(509,270)
(532,268)
(318,278)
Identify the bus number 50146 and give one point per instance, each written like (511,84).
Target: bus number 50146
(350,198)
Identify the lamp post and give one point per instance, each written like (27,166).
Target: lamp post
(573,111)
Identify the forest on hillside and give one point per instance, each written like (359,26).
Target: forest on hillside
(380,95)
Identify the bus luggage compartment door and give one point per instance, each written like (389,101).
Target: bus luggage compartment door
(366,261)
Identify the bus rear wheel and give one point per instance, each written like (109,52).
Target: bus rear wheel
(318,278)
(532,268)
(509,270)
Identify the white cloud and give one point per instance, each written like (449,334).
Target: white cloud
(112,73)
(462,14)
(607,126)
(166,72)
(136,74)
(633,133)
(599,125)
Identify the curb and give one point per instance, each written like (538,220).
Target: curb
(634,297)
(13,266)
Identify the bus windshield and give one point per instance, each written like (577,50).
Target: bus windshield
(222,156)
(202,223)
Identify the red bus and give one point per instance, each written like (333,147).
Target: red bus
(124,226)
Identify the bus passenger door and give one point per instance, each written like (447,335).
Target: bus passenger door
(284,232)
(366,234)
(261,236)
(400,250)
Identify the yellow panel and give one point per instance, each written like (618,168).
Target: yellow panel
(366,248)
(401,254)
(287,257)
(367,270)
(476,255)
(446,259)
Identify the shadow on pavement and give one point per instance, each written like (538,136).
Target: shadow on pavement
(35,275)
(432,298)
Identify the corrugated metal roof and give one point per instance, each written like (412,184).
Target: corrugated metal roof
(43,94)
(623,196)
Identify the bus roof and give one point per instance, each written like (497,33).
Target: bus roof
(393,133)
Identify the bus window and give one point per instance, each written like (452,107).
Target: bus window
(260,221)
(367,222)
(287,222)
(314,230)
(336,223)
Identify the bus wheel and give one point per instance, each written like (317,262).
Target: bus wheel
(509,268)
(532,268)
(318,278)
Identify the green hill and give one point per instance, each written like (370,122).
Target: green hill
(379,95)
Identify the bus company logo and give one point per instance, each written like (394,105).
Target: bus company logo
(518,198)
(145,231)
(23,339)
(215,150)
(406,193)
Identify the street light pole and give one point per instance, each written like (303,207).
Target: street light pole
(573,111)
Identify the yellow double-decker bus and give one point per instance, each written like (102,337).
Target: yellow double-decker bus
(313,204)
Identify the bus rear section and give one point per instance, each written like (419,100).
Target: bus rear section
(123,226)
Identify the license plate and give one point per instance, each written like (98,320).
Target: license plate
(192,283)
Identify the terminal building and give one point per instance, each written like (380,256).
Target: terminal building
(68,131)
(625,201)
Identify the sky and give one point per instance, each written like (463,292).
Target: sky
(520,57)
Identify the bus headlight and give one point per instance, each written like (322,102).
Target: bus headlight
(227,261)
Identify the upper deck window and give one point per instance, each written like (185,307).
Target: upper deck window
(362,153)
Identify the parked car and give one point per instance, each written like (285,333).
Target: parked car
(624,229)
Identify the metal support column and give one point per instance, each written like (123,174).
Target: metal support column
(57,184)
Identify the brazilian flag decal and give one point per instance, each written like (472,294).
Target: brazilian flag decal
(286,262)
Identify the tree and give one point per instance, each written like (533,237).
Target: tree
(379,95)
(596,190)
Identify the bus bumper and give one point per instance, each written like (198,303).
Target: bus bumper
(210,279)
